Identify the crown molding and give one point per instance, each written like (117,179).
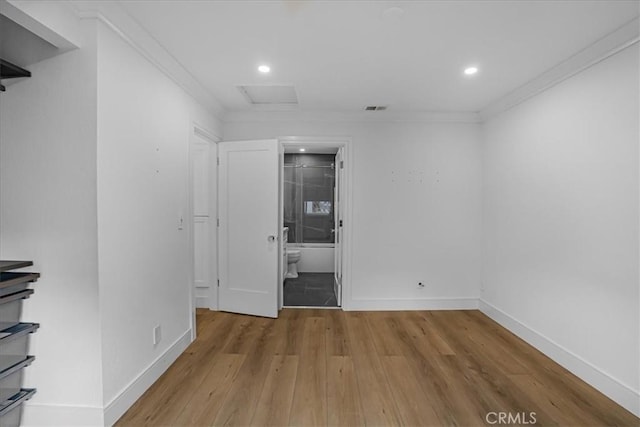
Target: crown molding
(625,36)
(124,25)
(351,116)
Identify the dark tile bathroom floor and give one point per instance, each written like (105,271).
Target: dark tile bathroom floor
(310,290)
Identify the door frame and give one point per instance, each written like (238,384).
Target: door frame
(344,143)
(199,133)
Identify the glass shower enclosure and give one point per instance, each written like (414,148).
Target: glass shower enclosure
(309,185)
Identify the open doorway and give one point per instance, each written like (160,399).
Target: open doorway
(313,218)
(231,178)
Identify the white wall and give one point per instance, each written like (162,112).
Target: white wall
(416,208)
(145,122)
(48,214)
(561,224)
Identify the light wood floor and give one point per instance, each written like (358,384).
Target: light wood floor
(328,367)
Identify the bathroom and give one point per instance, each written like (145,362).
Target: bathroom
(310,217)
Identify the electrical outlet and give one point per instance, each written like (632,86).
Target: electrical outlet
(420,285)
(157,334)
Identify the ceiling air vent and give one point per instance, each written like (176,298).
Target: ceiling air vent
(375,108)
(269,94)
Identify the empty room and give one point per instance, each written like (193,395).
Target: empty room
(319,213)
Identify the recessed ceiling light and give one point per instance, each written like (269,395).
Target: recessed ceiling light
(470,71)
(264,68)
(302,150)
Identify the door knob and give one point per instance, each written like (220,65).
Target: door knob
(271,239)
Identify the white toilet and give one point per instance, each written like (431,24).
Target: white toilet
(293,256)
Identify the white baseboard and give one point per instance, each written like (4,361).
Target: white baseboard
(41,415)
(132,392)
(603,382)
(412,304)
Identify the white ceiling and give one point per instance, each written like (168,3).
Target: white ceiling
(344,55)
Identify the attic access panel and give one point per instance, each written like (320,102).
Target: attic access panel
(11,71)
(269,94)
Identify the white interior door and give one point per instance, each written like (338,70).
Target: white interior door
(248,242)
